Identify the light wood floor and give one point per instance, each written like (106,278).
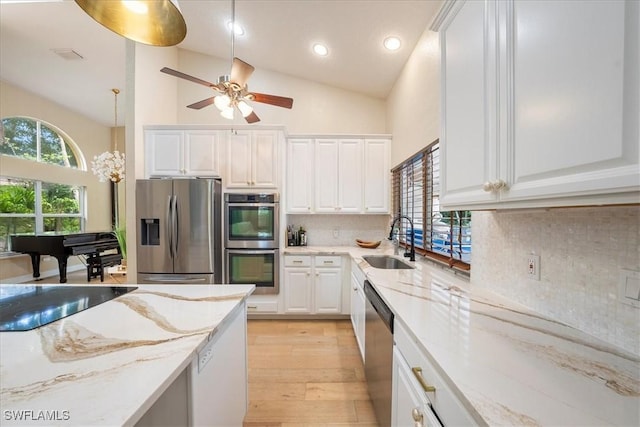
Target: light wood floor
(80,277)
(306,373)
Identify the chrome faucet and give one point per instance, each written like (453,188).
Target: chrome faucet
(412,253)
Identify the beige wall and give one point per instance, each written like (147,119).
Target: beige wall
(92,139)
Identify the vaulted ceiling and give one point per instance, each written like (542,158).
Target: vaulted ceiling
(279,35)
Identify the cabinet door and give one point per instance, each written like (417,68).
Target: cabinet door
(328,290)
(239,159)
(264,159)
(408,402)
(575,113)
(297,290)
(201,153)
(300,170)
(350,170)
(376,175)
(163,153)
(468,96)
(326,175)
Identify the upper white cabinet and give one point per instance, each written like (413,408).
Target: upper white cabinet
(540,103)
(252,159)
(338,175)
(170,153)
(338,166)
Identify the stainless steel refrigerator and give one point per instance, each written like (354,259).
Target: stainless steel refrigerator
(179,223)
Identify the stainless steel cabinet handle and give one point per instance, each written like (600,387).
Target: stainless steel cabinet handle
(252,307)
(417,417)
(417,372)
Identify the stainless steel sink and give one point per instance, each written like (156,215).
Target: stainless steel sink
(386,262)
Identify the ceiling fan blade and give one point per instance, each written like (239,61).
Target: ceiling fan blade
(240,72)
(201,104)
(252,118)
(278,101)
(187,77)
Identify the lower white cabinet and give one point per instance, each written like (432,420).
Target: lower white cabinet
(312,284)
(419,392)
(262,304)
(358,306)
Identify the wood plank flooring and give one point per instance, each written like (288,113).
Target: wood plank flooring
(306,373)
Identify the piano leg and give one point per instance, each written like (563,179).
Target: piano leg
(62,267)
(35,263)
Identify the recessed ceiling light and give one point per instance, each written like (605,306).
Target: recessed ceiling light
(392,43)
(320,49)
(237,28)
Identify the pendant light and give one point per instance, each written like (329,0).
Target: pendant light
(152,22)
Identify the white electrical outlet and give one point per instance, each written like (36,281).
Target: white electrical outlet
(336,233)
(533,266)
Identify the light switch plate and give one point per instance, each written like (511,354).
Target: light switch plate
(629,287)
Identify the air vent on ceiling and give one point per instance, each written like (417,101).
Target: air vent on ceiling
(68,54)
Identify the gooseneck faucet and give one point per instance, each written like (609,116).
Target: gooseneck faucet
(412,254)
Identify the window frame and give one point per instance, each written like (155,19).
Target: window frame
(415,193)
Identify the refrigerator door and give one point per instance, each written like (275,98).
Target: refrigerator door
(198,222)
(153,201)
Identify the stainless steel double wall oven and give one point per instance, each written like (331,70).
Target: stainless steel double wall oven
(252,233)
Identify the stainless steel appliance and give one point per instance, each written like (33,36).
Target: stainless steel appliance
(252,221)
(378,354)
(252,233)
(179,223)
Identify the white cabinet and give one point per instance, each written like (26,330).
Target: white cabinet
(358,306)
(377,175)
(171,153)
(338,175)
(531,117)
(312,284)
(419,391)
(252,159)
(300,171)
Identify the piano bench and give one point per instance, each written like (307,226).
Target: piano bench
(97,263)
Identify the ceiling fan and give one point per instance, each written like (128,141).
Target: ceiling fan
(233,92)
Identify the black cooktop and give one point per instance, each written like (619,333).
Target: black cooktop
(24,307)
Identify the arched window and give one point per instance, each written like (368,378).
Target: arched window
(35,206)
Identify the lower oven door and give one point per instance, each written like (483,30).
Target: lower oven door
(256,267)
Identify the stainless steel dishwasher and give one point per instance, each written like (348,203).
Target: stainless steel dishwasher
(378,354)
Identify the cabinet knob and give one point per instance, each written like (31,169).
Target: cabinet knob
(495,186)
(417,417)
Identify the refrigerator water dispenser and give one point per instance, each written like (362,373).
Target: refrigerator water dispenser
(150,228)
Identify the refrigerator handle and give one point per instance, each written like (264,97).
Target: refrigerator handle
(169,226)
(176,226)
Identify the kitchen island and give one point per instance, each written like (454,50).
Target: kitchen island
(109,364)
(504,363)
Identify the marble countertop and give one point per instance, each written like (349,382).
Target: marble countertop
(507,364)
(108,364)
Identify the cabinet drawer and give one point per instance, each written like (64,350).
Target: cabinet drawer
(449,409)
(328,261)
(297,261)
(262,307)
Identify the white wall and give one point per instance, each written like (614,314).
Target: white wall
(413,107)
(317,108)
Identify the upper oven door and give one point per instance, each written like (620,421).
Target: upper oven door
(252,225)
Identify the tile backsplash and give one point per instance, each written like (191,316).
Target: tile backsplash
(582,251)
(320,228)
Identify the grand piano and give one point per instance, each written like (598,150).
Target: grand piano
(62,246)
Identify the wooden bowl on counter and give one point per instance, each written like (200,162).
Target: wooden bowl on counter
(367,245)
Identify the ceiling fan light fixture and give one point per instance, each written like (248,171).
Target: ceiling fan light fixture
(244,108)
(161,25)
(227,113)
(222,102)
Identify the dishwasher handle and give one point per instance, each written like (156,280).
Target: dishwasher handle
(378,304)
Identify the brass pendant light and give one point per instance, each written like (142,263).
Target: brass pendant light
(152,22)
